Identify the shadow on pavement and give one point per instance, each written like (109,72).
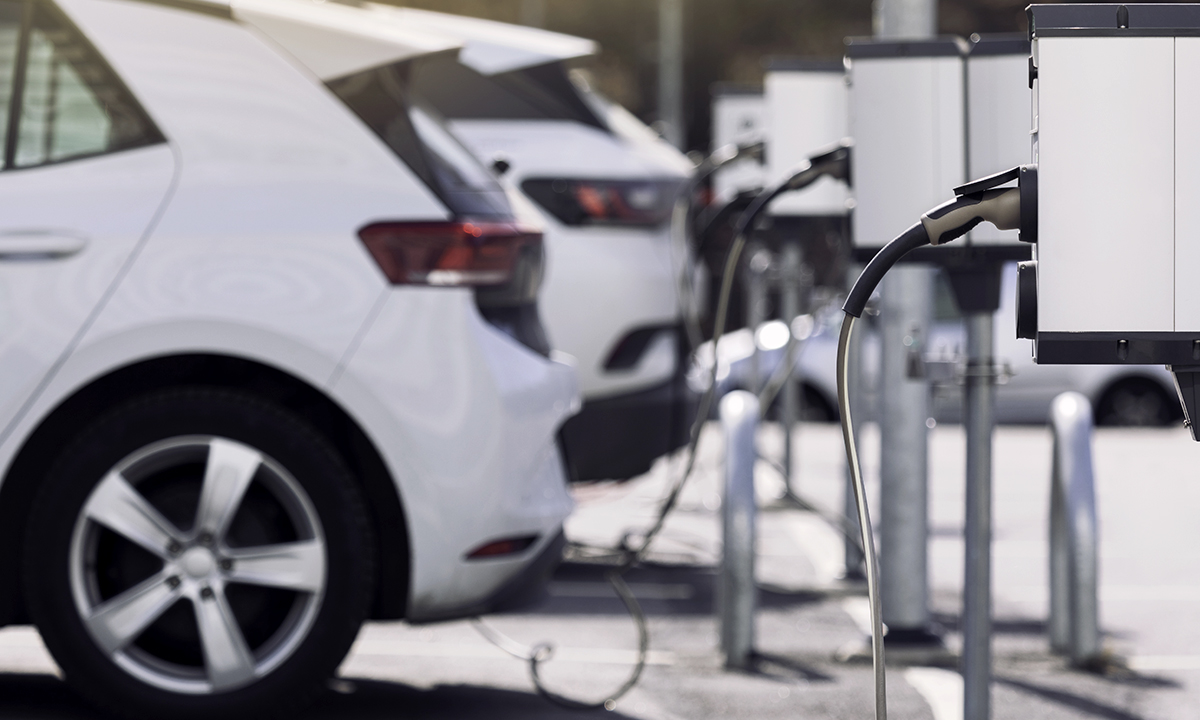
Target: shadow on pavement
(372,699)
(1000,626)
(1076,702)
(44,697)
(583,589)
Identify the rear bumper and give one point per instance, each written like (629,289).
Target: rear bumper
(620,437)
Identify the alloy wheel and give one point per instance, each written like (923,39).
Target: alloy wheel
(198,564)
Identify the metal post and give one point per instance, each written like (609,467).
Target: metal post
(905,18)
(737,593)
(977,586)
(1074,554)
(791,267)
(533,13)
(670,71)
(904,527)
(907,310)
(758,264)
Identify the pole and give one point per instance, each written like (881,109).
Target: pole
(758,265)
(791,268)
(533,13)
(904,534)
(670,71)
(905,18)
(737,593)
(977,586)
(907,295)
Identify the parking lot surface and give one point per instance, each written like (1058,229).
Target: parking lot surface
(1150,604)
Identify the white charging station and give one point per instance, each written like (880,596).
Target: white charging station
(1116,100)
(1118,233)
(807,101)
(998,118)
(739,117)
(906,112)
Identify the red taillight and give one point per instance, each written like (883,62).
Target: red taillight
(498,548)
(446,253)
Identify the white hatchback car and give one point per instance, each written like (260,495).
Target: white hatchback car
(270,362)
(605,186)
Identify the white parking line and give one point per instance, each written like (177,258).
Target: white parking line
(402,648)
(942,689)
(1164,662)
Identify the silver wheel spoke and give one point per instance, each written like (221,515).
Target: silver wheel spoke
(119,621)
(116,505)
(231,467)
(295,566)
(226,656)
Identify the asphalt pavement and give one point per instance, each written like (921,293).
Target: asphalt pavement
(1150,603)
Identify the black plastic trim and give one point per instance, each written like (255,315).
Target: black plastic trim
(1116,348)
(946,46)
(620,437)
(1004,44)
(952,255)
(782,63)
(1028,182)
(1027,300)
(1108,19)
(627,352)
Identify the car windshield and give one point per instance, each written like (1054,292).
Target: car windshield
(419,136)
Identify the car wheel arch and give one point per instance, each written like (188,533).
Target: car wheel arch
(1098,394)
(71,415)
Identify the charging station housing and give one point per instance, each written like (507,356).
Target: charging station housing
(1116,100)
(806,111)
(739,117)
(907,118)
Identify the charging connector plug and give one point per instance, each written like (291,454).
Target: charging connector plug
(953,219)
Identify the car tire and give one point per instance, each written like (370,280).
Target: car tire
(198,553)
(1136,402)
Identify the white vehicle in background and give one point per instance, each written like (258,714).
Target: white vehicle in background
(605,185)
(1136,395)
(269,352)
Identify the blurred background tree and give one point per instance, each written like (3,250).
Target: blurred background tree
(726,40)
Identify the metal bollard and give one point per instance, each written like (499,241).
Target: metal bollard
(791,287)
(1074,548)
(758,265)
(737,595)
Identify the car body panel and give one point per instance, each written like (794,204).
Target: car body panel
(48,300)
(256,256)
(461,448)
(601,281)
(492,47)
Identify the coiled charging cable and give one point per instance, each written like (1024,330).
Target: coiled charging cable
(940,225)
(835,163)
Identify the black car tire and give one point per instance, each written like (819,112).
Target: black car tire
(1136,402)
(300,496)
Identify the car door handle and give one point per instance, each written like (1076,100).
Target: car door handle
(40,244)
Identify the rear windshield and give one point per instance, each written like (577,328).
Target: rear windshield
(417,133)
(542,92)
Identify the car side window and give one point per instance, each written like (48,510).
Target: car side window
(10,40)
(69,102)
